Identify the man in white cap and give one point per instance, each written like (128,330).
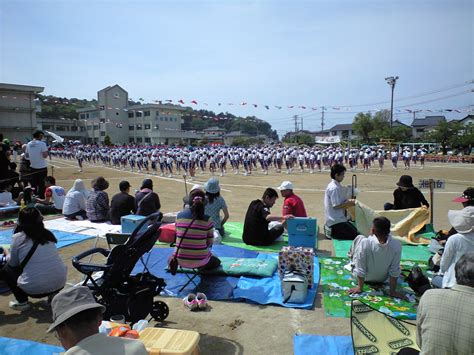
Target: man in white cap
(293,204)
(76,320)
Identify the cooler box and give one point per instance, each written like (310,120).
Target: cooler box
(170,341)
(130,222)
(167,233)
(296,240)
(300,259)
(301,226)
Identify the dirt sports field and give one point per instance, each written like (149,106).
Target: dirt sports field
(242,328)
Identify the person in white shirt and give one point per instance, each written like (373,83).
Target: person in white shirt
(457,245)
(335,202)
(76,320)
(54,197)
(376,258)
(74,206)
(36,153)
(6,198)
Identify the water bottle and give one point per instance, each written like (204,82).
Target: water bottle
(140,325)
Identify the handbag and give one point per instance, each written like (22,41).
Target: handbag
(173,263)
(417,281)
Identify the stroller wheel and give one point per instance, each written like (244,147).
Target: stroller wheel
(160,311)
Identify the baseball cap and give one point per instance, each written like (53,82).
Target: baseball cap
(70,302)
(285,185)
(467,195)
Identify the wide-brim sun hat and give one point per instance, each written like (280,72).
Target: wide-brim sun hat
(70,302)
(462,220)
(212,186)
(405,181)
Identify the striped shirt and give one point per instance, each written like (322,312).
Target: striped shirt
(194,246)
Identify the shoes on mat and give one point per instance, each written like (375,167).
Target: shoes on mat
(191,302)
(201,300)
(19,306)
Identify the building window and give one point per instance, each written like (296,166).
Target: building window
(87,115)
(89,128)
(96,127)
(102,133)
(102,120)
(47,126)
(83,129)
(146,113)
(130,115)
(82,116)
(157,113)
(131,127)
(161,118)
(139,127)
(166,119)
(419,130)
(61,128)
(130,139)
(139,139)
(138,114)
(147,140)
(147,126)
(156,127)
(74,128)
(117,95)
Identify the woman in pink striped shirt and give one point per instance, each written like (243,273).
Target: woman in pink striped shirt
(193,247)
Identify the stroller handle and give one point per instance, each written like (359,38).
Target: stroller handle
(76,260)
(154,217)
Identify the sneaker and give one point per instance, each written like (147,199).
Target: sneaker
(19,306)
(201,300)
(190,302)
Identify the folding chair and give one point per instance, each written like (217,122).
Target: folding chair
(190,275)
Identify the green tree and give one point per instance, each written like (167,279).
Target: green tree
(446,134)
(363,125)
(107,140)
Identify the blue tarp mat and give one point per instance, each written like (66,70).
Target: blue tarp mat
(27,347)
(268,290)
(305,344)
(64,238)
(216,287)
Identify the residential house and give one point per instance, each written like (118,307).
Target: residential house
(344,131)
(421,126)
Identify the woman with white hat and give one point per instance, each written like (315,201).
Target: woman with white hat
(456,246)
(216,204)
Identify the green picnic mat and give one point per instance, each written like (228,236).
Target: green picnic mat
(409,252)
(233,237)
(336,280)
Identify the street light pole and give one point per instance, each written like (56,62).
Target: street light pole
(391,81)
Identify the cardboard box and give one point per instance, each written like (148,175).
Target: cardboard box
(130,222)
(297,258)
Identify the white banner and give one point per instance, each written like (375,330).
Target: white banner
(327,140)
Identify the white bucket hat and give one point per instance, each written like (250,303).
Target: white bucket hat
(462,220)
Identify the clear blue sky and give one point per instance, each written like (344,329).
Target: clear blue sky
(309,53)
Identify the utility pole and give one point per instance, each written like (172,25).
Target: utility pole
(322,118)
(301,123)
(391,81)
(295,117)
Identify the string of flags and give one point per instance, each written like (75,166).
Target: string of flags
(246,104)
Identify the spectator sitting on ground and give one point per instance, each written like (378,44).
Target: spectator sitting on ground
(97,204)
(186,203)
(76,320)
(193,247)
(6,198)
(467,199)
(406,196)
(445,318)
(215,204)
(122,203)
(44,273)
(257,220)
(376,258)
(74,206)
(292,204)
(54,197)
(457,245)
(335,202)
(147,201)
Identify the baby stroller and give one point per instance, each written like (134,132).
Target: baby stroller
(120,292)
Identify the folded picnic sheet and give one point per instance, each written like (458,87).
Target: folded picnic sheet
(336,280)
(242,267)
(374,332)
(310,344)
(405,223)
